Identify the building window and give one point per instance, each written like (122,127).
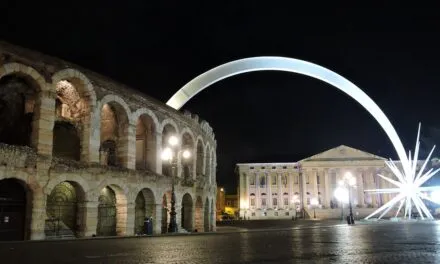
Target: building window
(252,180)
(274,167)
(263,201)
(318,180)
(287,213)
(253,214)
(275,202)
(252,201)
(296,179)
(264,213)
(228,203)
(286,201)
(275,213)
(285,180)
(251,168)
(308,200)
(274,179)
(284,167)
(263,168)
(319,200)
(307,179)
(263,181)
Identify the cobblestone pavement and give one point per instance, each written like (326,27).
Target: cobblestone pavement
(302,243)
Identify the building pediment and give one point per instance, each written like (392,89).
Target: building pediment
(343,153)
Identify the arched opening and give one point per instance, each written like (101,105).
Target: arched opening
(187,164)
(166,199)
(208,164)
(65,217)
(144,208)
(15,210)
(18,96)
(112,212)
(71,114)
(167,132)
(198,217)
(187,212)
(145,143)
(199,160)
(206,216)
(66,141)
(114,129)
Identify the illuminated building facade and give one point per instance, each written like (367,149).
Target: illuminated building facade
(286,190)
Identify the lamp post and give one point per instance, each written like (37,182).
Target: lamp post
(171,154)
(343,194)
(314,202)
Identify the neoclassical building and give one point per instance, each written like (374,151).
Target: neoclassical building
(80,155)
(283,190)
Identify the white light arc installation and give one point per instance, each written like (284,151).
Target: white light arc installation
(253,64)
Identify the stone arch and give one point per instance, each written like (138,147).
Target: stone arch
(115,131)
(206,216)
(200,157)
(76,99)
(14,67)
(65,211)
(69,177)
(271,63)
(145,207)
(21,89)
(112,211)
(16,200)
(187,212)
(170,122)
(188,143)
(146,139)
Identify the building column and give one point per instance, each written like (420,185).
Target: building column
(290,184)
(90,210)
(327,188)
(280,195)
(157,220)
(130,216)
(304,189)
(127,148)
(360,188)
(314,181)
(38,219)
(43,123)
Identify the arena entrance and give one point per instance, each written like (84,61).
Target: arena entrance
(107,213)
(12,210)
(64,217)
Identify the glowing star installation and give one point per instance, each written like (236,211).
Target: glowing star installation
(409,191)
(232,68)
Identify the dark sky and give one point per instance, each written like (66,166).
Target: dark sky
(158,46)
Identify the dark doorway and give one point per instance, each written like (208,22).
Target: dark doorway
(12,210)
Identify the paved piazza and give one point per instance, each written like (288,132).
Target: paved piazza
(302,242)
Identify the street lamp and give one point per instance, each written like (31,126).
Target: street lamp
(343,194)
(171,154)
(314,202)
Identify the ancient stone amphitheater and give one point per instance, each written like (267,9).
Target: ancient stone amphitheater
(80,155)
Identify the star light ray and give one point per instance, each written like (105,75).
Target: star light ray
(408,183)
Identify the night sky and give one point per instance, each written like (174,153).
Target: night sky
(158,46)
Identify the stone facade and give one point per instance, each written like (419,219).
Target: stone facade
(86,152)
(285,190)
